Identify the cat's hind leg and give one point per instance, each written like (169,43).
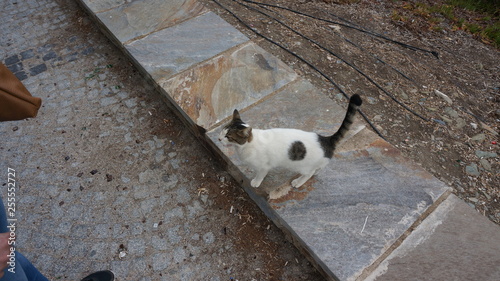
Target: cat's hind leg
(305,175)
(298,182)
(322,164)
(259,177)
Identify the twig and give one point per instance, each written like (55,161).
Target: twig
(366,219)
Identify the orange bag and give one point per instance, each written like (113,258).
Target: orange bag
(16,102)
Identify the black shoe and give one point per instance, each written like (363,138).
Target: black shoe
(104,275)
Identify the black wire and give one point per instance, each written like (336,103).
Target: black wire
(375,57)
(349,25)
(339,57)
(353,43)
(303,60)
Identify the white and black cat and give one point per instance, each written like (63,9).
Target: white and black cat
(296,150)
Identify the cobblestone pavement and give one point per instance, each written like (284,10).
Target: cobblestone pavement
(108,178)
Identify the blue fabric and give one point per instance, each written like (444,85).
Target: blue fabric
(24,270)
(32,274)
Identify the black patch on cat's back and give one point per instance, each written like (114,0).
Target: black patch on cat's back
(326,145)
(297,151)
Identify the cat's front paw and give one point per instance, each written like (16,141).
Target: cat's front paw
(297,183)
(255,183)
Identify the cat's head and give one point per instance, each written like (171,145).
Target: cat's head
(236,132)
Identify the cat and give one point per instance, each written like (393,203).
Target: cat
(296,150)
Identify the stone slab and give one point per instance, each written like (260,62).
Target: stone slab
(140,18)
(453,243)
(348,215)
(172,50)
(102,5)
(238,78)
(358,206)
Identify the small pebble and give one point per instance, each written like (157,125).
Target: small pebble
(485,164)
(479,137)
(472,170)
(439,122)
(371,100)
(485,154)
(473,199)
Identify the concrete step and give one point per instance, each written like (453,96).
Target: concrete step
(355,217)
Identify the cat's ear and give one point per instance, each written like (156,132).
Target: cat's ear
(247,132)
(236,115)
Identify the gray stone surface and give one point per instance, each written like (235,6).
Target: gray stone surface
(453,243)
(100,5)
(358,206)
(210,92)
(172,50)
(140,18)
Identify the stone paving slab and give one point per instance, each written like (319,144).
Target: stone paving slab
(238,78)
(349,214)
(172,50)
(453,243)
(140,18)
(358,207)
(97,6)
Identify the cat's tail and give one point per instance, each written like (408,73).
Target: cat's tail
(354,103)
